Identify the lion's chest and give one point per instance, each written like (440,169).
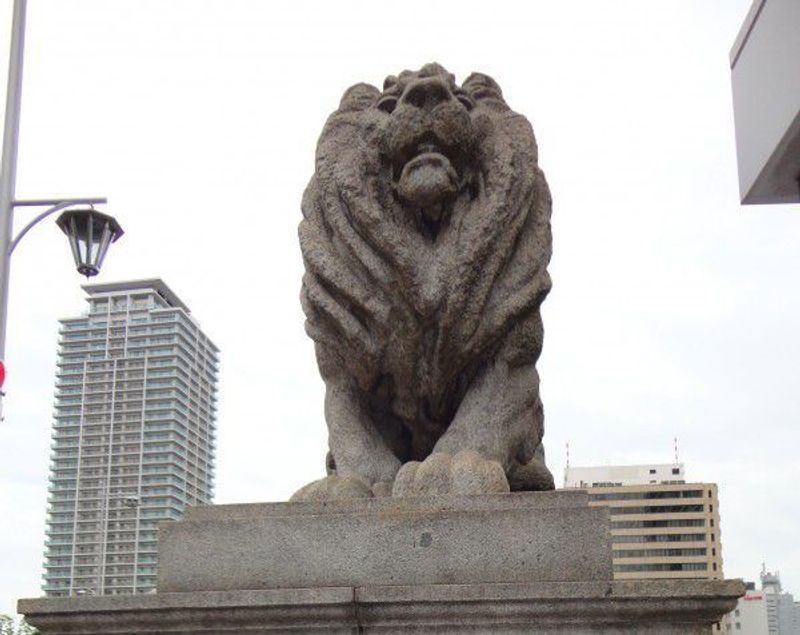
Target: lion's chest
(418,350)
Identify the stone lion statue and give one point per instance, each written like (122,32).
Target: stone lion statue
(426,238)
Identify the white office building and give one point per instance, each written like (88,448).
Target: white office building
(621,475)
(133,436)
(750,615)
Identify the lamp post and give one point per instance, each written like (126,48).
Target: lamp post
(90,232)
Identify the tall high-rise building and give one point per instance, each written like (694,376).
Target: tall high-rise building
(661,526)
(133,436)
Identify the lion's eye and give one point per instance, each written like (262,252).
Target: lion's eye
(387,103)
(465,100)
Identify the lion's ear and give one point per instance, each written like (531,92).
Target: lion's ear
(482,87)
(359,97)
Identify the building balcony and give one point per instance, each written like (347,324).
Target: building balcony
(59,478)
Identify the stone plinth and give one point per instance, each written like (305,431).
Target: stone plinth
(513,563)
(388,541)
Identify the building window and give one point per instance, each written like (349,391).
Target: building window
(658,494)
(635,524)
(652,471)
(669,566)
(656,509)
(675,470)
(658,553)
(658,538)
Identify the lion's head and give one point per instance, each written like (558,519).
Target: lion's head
(430,141)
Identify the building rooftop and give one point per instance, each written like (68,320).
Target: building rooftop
(156,284)
(619,475)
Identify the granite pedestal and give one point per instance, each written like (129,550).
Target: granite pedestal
(513,563)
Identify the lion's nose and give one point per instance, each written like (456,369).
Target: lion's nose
(426,93)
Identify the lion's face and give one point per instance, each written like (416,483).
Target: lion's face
(428,139)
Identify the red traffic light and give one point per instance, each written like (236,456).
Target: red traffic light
(2,373)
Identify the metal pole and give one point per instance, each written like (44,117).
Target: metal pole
(8,169)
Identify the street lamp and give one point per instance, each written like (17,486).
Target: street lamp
(90,232)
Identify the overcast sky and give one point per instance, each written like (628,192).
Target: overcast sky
(674,310)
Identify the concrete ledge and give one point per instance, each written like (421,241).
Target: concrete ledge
(642,606)
(560,499)
(482,539)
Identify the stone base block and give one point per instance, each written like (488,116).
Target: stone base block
(654,607)
(548,536)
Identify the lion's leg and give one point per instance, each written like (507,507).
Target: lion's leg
(357,446)
(364,464)
(496,416)
(491,436)
(499,420)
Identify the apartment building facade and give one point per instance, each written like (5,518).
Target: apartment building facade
(661,526)
(133,436)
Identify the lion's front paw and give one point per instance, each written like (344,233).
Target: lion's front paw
(332,488)
(467,473)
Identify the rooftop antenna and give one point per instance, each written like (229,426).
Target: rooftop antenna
(676,449)
(567,468)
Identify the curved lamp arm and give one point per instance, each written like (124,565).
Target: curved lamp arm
(56,206)
(29,226)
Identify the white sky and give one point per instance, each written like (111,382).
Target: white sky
(674,310)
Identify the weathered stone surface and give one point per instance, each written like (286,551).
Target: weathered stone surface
(426,238)
(651,607)
(466,473)
(502,538)
(333,488)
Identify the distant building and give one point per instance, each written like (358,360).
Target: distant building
(782,611)
(750,615)
(617,475)
(661,526)
(133,436)
(768,611)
